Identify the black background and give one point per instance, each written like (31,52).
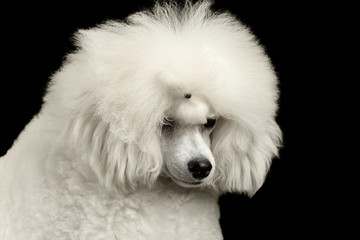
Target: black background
(35,39)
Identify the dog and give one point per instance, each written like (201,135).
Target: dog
(144,126)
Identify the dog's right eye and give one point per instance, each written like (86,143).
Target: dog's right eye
(168,124)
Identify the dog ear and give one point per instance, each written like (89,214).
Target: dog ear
(243,155)
(113,114)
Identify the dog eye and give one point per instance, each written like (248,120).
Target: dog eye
(168,124)
(210,123)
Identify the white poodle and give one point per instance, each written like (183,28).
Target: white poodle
(142,129)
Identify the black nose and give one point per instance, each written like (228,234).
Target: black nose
(200,168)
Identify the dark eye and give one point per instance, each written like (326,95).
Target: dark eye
(168,124)
(210,123)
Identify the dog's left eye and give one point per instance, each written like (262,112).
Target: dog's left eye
(210,123)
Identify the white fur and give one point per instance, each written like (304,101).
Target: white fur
(90,164)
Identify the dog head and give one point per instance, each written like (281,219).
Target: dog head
(180,91)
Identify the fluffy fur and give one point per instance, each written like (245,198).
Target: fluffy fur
(90,164)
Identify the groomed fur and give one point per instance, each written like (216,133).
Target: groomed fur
(117,109)
(105,107)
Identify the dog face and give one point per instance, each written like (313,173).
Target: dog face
(186,153)
(186,139)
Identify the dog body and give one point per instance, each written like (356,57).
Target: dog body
(141,130)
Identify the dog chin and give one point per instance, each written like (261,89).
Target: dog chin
(187,184)
(183,183)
